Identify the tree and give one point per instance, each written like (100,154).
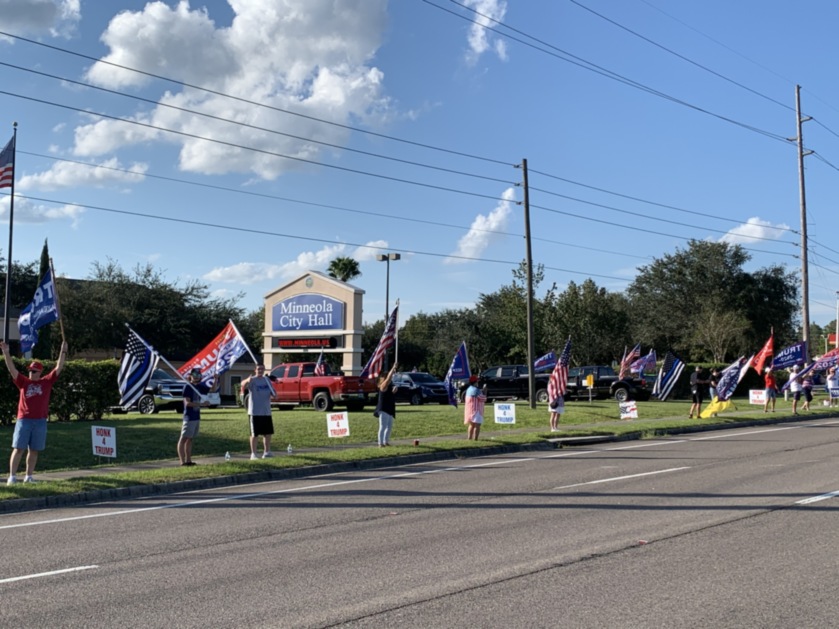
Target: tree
(344,269)
(669,300)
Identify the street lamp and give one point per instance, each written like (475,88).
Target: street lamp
(387,257)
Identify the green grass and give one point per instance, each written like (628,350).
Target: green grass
(148,438)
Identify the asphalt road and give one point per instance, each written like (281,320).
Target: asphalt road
(735,528)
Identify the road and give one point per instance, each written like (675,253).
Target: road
(734,528)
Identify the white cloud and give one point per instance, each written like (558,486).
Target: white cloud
(307,56)
(487,13)
(69,174)
(753,230)
(254,272)
(56,17)
(28,212)
(480,234)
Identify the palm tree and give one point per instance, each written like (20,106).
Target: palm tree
(344,269)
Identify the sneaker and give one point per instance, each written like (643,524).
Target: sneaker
(254,457)
(11,480)
(28,479)
(268,455)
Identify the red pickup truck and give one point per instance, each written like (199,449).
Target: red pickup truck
(296,383)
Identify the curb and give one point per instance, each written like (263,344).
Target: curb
(18,505)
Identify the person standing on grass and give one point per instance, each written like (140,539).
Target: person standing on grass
(473,410)
(807,390)
(32,411)
(795,388)
(713,383)
(194,399)
(770,391)
(260,395)
(557,407)
(697,391)
(832,385)
(386,407)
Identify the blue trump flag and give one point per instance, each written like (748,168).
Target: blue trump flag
(458,370)
(43,309)
(548,361)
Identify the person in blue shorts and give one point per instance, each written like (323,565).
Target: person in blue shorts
(194,400)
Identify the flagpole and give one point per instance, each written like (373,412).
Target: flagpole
(396,336)
(11,228)
(163,358)
(244,342)
(57,303)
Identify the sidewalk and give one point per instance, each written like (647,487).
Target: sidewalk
(262,475)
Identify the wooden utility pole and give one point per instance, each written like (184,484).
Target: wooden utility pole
(531,377)
(805,276)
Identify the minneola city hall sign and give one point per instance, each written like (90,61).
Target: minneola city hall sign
(311,313)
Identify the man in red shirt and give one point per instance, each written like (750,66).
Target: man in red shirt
(32,411)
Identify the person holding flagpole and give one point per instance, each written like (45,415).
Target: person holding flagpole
(473,411)
(260,395)
(32,411)
(194,400)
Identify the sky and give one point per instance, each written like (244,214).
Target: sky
(243,143)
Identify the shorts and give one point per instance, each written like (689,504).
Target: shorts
(771,394)
(796,395)
(697,398)
(559,408)
(261,425)
(189,429)
(30,433)
(477,418)
(808,394)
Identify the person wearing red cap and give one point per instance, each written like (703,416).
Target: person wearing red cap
(473,410)
(32,411)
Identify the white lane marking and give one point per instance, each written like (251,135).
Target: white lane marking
(47,574)
(616,478)
(808,501)
(646,444)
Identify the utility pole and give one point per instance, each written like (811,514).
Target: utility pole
(531,377)
(805,277)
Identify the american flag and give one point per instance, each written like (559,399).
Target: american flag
(626,363)
(135,371)
(374,365)
(558,383)
(7,165)
(320,367)
(668,375)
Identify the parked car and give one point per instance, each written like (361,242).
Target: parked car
(419,387)
(165,392)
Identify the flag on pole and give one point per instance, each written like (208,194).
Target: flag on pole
(729,379)
(548,361)
(458,370)
(558,383)
(374,365)
(759,359)
(42,310)
(645,363)
(627,361)
(138,364)
(7,164)
(668,375)
(320,367)
(793,355)
(218,356)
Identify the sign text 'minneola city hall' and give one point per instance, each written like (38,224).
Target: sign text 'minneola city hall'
(307,312)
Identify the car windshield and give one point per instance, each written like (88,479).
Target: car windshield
(424,378)
(159,374)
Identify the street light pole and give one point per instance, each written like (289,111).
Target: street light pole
(387,257)
(836,337)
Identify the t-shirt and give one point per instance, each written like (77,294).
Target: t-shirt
(193,413)
(769,379)
(259,400)
(34,401)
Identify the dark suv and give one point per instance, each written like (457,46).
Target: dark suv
(419,387)
(166,392)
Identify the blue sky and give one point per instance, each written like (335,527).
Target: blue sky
(644,124)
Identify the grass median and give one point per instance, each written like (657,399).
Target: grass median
(145,439)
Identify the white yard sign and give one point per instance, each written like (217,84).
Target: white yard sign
(629,410)
(505,413)
(104,441)
(757,396)
(338,424)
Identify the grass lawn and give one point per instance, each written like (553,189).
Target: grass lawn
(145,438)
